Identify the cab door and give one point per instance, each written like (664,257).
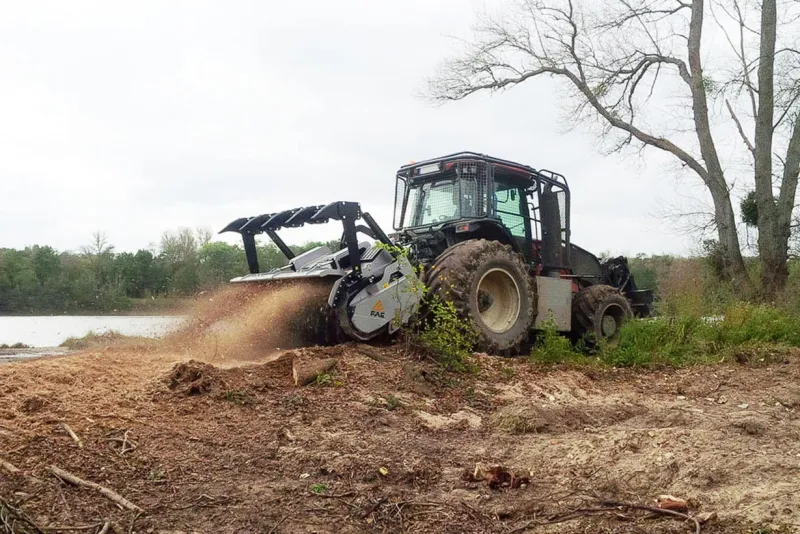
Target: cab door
(511,207)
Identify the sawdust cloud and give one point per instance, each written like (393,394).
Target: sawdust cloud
(252,322)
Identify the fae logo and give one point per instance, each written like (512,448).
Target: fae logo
(378,311)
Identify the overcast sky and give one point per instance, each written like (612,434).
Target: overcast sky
(137,117)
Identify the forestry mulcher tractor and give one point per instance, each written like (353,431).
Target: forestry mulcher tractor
(489,235)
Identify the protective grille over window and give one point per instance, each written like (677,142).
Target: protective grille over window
(432,202)
(474,187)
(458,191)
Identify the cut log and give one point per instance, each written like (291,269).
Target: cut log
(306,373)
(104,491)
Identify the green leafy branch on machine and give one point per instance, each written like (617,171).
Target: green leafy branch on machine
(489,235)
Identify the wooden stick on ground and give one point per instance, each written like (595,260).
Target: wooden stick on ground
(655,510)
(72,529)
(305,374)
(72,434)
(11,517)
(11,468)
(104,491)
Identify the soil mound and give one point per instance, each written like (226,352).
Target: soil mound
(192,377)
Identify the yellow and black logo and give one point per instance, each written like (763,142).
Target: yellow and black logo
(378,311)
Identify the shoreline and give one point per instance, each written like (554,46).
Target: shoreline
(163,307)
(31,353)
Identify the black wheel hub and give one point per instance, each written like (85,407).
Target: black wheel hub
(485,301)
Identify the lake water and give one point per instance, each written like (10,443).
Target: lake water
(51,331)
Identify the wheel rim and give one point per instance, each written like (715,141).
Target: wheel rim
(498,300)
(611,322)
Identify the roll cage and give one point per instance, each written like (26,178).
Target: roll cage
(531,205)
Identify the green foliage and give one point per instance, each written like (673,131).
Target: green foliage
(749,208)
(324,379)
(14,346)
(716,256)
(710,85)
(680,341)
(447,337)
(661,341)
(443,334)
(98,279)
(319,488)
(552,347)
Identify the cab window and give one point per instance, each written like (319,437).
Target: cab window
(510,208)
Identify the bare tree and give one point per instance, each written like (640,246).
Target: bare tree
(179,247)
(623,62)
(98,246)
(100,255)
(204,235)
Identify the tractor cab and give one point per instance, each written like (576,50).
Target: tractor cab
(441,202)
(445,201)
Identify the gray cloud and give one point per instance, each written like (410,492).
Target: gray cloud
(134,118)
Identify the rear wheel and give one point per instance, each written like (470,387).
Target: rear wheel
(489,285)
(598,313)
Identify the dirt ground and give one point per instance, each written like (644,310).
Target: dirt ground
(389,443)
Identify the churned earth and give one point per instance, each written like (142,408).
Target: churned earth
(205,432)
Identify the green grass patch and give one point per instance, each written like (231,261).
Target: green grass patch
(681,341)
(319,488)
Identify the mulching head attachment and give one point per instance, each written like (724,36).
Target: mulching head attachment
(371,284)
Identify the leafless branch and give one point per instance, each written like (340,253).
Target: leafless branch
(741,130)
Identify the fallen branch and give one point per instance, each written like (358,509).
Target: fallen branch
(11,468)
(133,521)
(106,528)
(279,523)
(369,352)
(308,373)
(609,507)
(29,496)
(73,529)
(104,491)
(13,520)
(72,434)
(655,510)
(126,445)
(332,495)
(374,507)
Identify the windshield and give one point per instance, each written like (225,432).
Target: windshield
(432,203)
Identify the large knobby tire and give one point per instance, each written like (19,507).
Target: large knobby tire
(598,313)
(490,287)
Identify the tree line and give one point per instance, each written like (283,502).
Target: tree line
(40,279)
